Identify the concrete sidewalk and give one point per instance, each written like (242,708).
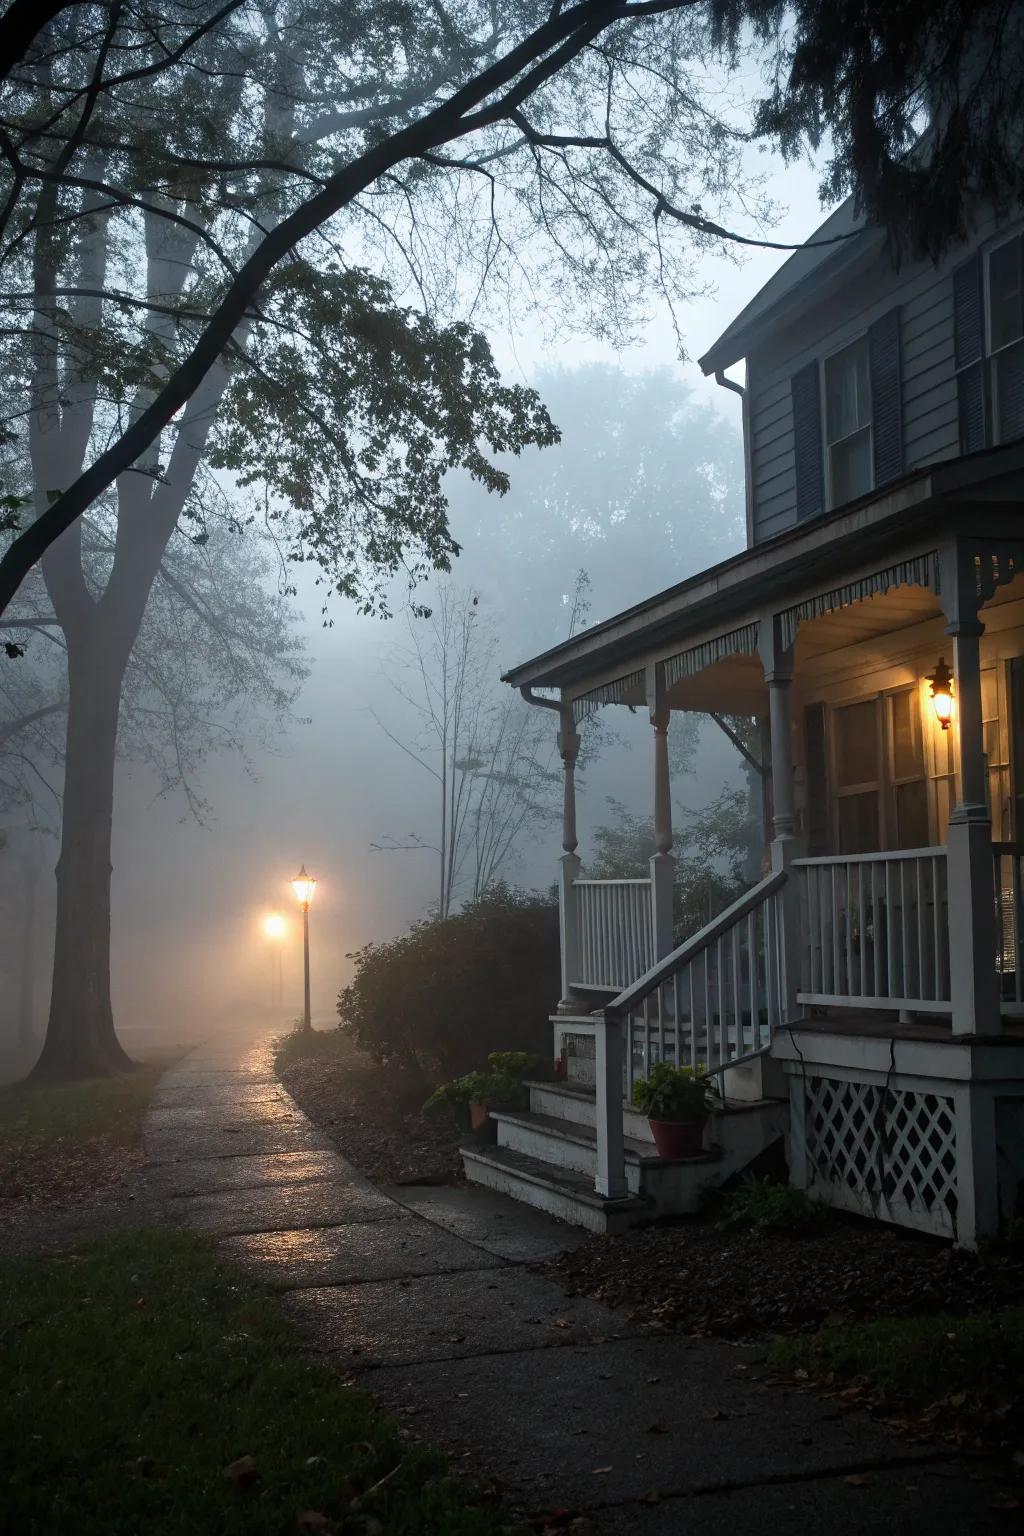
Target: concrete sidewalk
(423,1296)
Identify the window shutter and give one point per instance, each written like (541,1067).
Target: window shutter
(805,391)
(886,396)
(1010,392)
(969,354)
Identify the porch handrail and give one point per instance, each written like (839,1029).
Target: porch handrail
(664,970)
(887,854)
(722,992)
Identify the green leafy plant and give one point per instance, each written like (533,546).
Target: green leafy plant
(500,1087)
(764,1206)
(676,1095)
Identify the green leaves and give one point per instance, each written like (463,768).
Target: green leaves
(345,413)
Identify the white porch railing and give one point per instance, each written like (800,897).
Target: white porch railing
(1009,890)
(712,1002)
(875,930)
(615,926)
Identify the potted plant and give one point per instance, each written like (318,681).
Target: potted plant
(473,1095)
(675,1101)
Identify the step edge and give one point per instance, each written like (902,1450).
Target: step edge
(492,1159)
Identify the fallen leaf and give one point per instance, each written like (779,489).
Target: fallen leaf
(311,1520)
(657,1429)
(241,1471)
(718,1413)
(653,1497)
(561,1322)
(855,1480)
(601,1471)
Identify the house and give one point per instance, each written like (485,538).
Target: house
(865,999)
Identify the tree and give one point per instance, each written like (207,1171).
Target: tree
(492,758)
(580,122)
(644,488)
(587,118)
(871,74)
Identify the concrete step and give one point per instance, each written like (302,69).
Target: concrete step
(561,1192)
(567,1144)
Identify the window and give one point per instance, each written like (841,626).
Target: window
(848,423)
(1006,337)
(855,742)
(909,786)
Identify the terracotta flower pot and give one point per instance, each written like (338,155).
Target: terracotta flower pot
(678,1138)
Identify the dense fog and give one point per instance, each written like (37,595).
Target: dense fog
(645,488)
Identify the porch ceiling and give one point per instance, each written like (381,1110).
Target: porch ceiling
(980,495)
(883,614)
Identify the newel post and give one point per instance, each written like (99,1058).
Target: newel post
(974,984)
(610,1174)
(663,865)
(569,863)
(777,660)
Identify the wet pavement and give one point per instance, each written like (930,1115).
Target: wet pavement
(424,1296)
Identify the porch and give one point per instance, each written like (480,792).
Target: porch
(890,909)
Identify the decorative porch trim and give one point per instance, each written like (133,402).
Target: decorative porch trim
(614,692)
(738,642)
(919,571)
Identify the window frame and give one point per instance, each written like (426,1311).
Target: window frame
(827,444)
(993,353)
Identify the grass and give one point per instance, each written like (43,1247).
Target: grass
(137,1371)
(35,1117)
(915,1361)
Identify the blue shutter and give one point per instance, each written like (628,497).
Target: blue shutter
(810,492)
(1010,392)
(969,354)
(886,396)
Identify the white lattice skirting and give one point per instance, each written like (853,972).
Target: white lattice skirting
(882,1151)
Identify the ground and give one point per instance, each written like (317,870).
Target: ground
(428,1299)
(385,1134)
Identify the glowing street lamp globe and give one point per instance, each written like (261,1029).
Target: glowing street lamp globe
(303,885)
(274,926)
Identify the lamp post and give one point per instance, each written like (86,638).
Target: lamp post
(304,885)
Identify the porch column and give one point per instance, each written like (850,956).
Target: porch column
(777,661)
(974,983)
(610,1169)
(569,864)
(663,865)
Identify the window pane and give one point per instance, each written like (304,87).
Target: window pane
(1005,294)
(847,391)
(912,815)
(906,745)
(858,823)
(857,744)
(852,472)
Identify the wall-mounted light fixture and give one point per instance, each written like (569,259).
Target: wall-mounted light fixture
(941,681)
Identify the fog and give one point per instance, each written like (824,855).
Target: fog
(188,950)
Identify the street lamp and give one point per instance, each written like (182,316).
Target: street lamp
(274,929)
(304,885)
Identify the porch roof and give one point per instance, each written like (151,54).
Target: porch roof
(794,566)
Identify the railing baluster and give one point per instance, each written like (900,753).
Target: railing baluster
(1018,929)
(753,964)
(693,1018)
(904,933)
(919,983)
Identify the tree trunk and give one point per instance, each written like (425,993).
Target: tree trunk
(80,1038)
(27,979)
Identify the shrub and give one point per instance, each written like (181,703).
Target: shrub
(438,999)
(675,1094)
(500,1087)
(765,1206)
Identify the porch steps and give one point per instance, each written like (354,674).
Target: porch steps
(546,1156)
(559,1191)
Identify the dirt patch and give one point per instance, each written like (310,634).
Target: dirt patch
(372,1116)
(710,1279)
(64,1175)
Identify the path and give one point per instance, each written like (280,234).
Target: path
(426,1300)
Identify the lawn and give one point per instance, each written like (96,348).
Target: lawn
(67,1143)
(150,1387)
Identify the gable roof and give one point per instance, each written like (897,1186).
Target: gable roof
(843,240)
